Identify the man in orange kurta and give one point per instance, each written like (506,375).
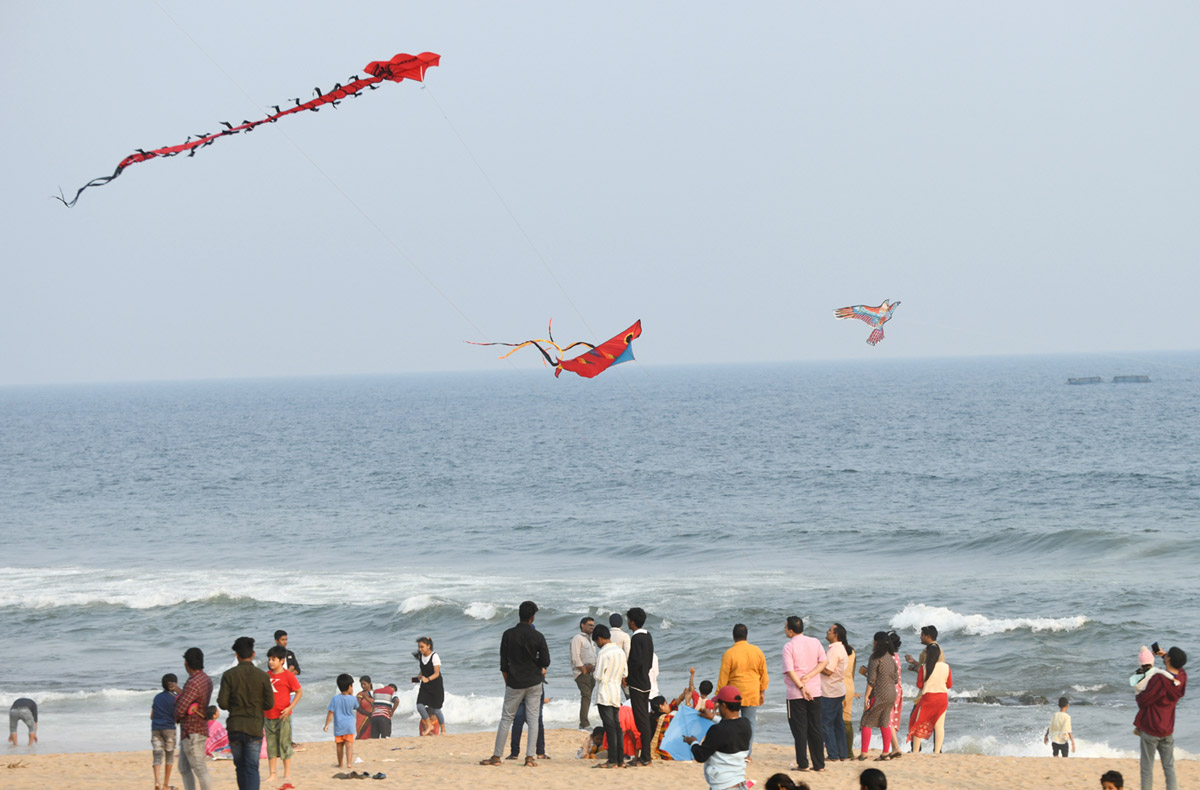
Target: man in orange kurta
(745,668)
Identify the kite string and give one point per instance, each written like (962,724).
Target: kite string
(617,469)
(537,251)
(511,215)
(370,221)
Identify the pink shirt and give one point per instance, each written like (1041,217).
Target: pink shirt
(801,655)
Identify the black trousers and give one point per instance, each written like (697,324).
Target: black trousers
(804,718)
(610,719)
(640,702)
(381,727)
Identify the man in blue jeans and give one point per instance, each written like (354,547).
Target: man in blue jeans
(246,693)
(524,657)
(1155,720)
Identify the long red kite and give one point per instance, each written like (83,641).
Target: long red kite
(589,364)
(401,67)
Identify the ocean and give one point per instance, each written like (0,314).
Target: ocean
(1047,530)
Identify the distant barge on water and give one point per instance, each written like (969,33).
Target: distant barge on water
(1116,380)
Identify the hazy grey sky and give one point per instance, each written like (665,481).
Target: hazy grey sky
(1022,176)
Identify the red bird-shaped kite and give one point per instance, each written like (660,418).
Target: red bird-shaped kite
(875,316)
(401,67)
(588,364)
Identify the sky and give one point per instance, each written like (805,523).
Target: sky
(1020,175)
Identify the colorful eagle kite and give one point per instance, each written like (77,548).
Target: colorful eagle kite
(401,67)
(875,316)
(588,364)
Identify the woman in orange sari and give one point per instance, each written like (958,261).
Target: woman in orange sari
(929,711)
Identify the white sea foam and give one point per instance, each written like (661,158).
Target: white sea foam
(1082,688)
(476,711)
(1031,746)
(481,611)
(101,697)
(416,603)
(915,615)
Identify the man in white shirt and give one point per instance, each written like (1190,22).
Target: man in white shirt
(583,663)
(618,637)
(611,670)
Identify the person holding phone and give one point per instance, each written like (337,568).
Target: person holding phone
(432,693)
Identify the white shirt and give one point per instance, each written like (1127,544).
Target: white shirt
(654,677)
(621,639)
(583,652)
(611,669)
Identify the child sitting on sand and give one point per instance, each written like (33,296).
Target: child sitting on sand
(591,747)
(1112,780)
(217,745)
(699,699)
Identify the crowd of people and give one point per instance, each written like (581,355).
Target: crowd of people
(617,671)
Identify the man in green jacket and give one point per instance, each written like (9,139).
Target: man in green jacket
(246,693)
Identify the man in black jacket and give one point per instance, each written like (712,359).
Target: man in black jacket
(524,656)
(641,657)
(726,745)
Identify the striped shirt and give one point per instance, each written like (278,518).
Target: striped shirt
(384,702)
(611,667)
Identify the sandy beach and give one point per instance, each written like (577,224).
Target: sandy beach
(448,760)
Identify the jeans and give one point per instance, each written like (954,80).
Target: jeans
(831,726)
(425,712)
(586,682)
(804,719)
(750,714)
(245,749)
(1165,746)
(192,761)
(532,697)
(518,725)
(610,717)
(640,702)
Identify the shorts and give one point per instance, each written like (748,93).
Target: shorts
(1059,749)
(349,738)
(162,742)
(20,714)
(279,737)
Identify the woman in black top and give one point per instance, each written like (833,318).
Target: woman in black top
(432,694)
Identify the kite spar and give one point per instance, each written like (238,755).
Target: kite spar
(399,68)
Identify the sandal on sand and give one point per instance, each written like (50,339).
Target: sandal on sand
(881,758)
(513,757)
(493,760)
(530,762)
(862,757)
(895,755)
(543,757)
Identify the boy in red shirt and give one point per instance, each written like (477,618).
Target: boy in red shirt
(279,717)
